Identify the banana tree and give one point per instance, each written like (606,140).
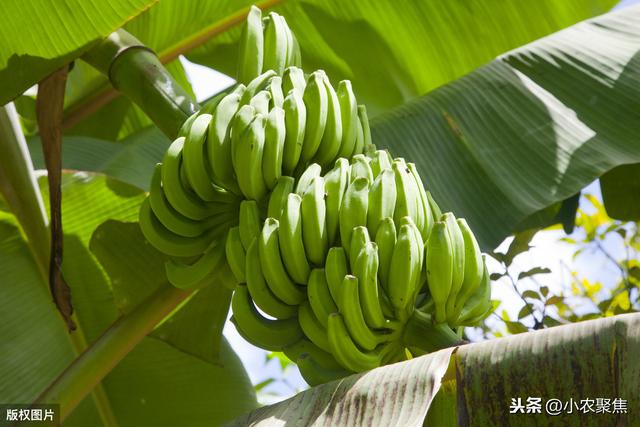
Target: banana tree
(504,142)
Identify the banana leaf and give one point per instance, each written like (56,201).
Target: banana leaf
(480,384)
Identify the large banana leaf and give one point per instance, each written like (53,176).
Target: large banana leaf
(588,360)
(394,50)
(40,36)
(184,372)
(406,49)
(529,129)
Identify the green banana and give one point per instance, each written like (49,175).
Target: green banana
(423,204)
(239,124)
(382,199)
(473,269)
(335,269)
(290,239)
(293,79)
(293,49)
(408,197)
(457,247)
(348,117)
(273,268)
(273,335)
(173,220)
(275,89)
(251,54)
(275,43)
(187,276)
(314,373)
(353,211)
(335,185)
(359,238)
(249,152)
(306,179)
(345,350)
(166,241)
(332,135)
(439,265)
(479,304)
(437,213)
(219,144)
(274,133)
(322,357)
(386,241)
(317,103)
(261,101)
(360,168)
(210,106)
(351,311)
(366,270)
(319,296)
(359,144)
(312,327)
(262,296)
(366,131)
(314,228)
(380,160)
(235,253)
(419,249)
(295,119)
(404,271)
(279,195)
(181,199)
(250,223)
(259,83)
(184,129)
(194,158)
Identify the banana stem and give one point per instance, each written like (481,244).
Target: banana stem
(422,334)
(86,372)
(20,189)
(136,71)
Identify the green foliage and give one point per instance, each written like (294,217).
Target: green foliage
(176,372)
(57,35)
(614,243)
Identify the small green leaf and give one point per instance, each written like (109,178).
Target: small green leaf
(531,294)
(533,271)
(554,300)
(544,290)
(550,322)
(258,387)
(516,327)
(525,311)
(496,276)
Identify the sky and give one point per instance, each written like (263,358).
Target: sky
(546,251)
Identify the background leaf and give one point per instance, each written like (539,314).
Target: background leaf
(398,394)
(130,161)
(481,380)
(184,372)
(551,364)
(407,48)
(621,192)
(58,32)
(523,132)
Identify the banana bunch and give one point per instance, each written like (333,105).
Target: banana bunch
(354,269)
(266,44)
(340,259)
(240,145)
